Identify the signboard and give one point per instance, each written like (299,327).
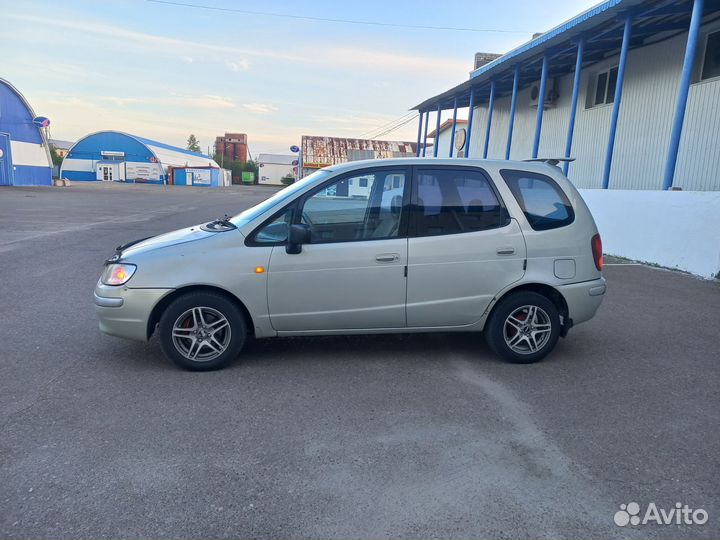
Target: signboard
(200,177)
(295,148)
(141,171)
(248,177)
(41,121)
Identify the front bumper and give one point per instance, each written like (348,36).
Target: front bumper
(124,312)
(583,299)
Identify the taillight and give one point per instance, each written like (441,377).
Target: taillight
(596,244)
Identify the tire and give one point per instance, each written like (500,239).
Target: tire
(517,341)
(202,331)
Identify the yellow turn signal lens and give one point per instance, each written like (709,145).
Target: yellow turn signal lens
(259,269)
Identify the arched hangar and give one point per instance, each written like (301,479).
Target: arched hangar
(117,156)
(24,154)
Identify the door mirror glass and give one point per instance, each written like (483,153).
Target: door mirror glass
(275,232)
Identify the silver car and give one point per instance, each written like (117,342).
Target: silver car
(383,246)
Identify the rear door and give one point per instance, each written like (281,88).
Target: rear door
(463,247)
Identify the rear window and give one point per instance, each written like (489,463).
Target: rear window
(544,204)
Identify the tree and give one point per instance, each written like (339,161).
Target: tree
(192,144)
(56,159)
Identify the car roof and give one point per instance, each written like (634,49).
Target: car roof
(454,162)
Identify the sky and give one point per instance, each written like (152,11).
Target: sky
(164,71)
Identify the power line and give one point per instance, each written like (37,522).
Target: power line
(395,127)
(386,124)
(332,20)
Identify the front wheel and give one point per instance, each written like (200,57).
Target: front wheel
(202,331)
(524,328)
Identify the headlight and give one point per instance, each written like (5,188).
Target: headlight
(117,274)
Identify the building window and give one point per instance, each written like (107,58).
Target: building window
(363,182)
(601,87)
(711,59)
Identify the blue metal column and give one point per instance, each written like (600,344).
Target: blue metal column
(427,121)
(573,104)
(452,133)
(683,90)
(419,137)
(541,106)
(436,144)
(616,103)
(491,104)
(468,133)
(513,104)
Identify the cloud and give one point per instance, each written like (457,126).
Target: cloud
(188,59)
(122,100)
(239,65)
(259,108)
(333,57)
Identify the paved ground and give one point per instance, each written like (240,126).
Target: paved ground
(405,436)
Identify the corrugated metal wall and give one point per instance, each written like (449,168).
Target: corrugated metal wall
(646,115)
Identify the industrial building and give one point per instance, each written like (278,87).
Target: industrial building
(120,157)
(232,146)
(24,154)
(318,152)
(629,88)
(272,168)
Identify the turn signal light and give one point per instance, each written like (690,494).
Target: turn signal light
(117,274)
(259,269)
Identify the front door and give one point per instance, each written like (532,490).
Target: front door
(352,273)
(463,247)
(5,161)
(107,172)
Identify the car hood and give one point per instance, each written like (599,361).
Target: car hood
(181,236)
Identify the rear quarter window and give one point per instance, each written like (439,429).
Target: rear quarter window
(542,201)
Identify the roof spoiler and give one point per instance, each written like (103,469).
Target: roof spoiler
(552,160)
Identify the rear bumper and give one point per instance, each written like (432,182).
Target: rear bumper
(124,312)
(583,299)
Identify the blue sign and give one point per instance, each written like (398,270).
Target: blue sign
(41,121)
(294,148)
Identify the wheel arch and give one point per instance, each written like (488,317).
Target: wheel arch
(548,291)
(166,300)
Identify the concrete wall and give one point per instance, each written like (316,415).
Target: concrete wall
(677,229)
(271,173)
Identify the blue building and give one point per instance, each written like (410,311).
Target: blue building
(24,154)
(120,157)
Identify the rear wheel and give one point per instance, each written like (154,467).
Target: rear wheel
(202,331)
(524,327)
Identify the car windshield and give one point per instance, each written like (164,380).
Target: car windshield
(281,196)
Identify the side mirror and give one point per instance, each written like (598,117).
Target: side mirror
(299,234)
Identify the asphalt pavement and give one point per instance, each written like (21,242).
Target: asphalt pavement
(414,436)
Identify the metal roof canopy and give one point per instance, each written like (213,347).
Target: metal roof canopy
(601,27)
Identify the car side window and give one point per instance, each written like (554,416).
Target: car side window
(542,201)
(454,201)
(366,206)
(276,231)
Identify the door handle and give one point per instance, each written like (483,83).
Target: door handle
(387,257)
(505,251)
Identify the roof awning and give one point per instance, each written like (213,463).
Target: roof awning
(600,26)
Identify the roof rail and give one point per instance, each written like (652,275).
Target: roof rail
(552,160)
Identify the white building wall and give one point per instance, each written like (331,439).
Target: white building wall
(644,125)
(271,173)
